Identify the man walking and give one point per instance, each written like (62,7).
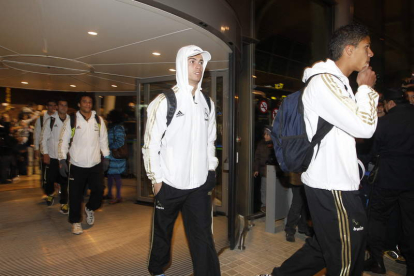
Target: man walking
(50,112)
(332,179)
(49,142)
(84,136)
(394,184)
(179,157)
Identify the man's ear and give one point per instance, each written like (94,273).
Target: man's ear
(349,49)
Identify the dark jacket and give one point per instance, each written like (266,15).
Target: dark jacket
(394,142)
(264,155)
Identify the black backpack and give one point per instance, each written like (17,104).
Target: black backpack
(172,103)
(73,125)
(52,122)
(293,150)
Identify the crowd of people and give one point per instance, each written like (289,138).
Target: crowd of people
(179,157)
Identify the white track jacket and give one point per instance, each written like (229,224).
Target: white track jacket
(38,128)
(87,144)
(335,166)
(183,157)
(49,139)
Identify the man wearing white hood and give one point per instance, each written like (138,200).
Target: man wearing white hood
(179,158)
(332,179)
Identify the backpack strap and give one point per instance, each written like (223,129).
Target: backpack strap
(41,121)
(208,100)
(171,104)
(52,123)
(98,121)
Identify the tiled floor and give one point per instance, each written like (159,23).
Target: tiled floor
(36,240)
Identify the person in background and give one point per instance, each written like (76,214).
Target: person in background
(116,139)
(263,156)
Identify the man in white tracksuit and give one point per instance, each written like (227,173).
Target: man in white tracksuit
(180,162)
(89,139)
(332,179)
(49,141)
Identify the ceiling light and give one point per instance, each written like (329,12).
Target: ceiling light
(25,82)
(156,54)
(93,33)
(254,76)
(72,85)
(113,85)
(172,70)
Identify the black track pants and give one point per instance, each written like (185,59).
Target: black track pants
(196,207)
(340,225)
(53,176)
(78,179)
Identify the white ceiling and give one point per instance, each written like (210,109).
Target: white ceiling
(50,37)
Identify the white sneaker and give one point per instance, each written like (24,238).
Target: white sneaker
(90,216)
(77,228)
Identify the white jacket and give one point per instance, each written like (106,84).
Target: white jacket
(88,142)
(49,139)
(353,116)
(183,157)
(38,128)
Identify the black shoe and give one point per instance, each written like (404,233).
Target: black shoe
(50,200)
(308,232)
(290,237)
(374,266)
(6,182)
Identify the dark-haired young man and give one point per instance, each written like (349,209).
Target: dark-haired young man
(84,137)
(394,186)
(49,141)
(50,111)
(332,179)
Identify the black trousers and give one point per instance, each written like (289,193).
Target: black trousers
(340,222)
(196,208)
(43,178)
(382,204)
(53,176)
(78,179)
(298,212)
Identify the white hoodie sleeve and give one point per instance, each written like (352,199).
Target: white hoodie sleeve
(103,139)
(212,135)
(44,137)
(155,128)
(64,139)
(327,97)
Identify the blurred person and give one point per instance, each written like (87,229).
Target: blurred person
(6,150)
(50,112)
(83,138)
(263,156)
(116,139)
(332,179)
(394,186)
(409,95)
(180,161)
(380,109)
(49,141)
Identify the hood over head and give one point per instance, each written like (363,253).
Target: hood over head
(181,65)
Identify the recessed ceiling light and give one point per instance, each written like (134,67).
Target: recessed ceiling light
(156,54)
(25,82)
(93,33)
(254,76)
(72,85)
(113,85)
(172,70)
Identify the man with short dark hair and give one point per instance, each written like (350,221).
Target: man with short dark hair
(50,112)
(49,142)
(180,161)
(332,179)
(394,184)
(84,137)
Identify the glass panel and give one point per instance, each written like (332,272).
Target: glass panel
(219,141)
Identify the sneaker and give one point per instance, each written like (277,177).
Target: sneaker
(395,256)
(64,209)
(263,209)
(374,266)
(108,197)
(50,200)
(90,216)
(290,237)
(77,228)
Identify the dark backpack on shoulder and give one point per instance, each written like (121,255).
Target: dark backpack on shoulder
(292,148)
(172,103)
(73,125)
